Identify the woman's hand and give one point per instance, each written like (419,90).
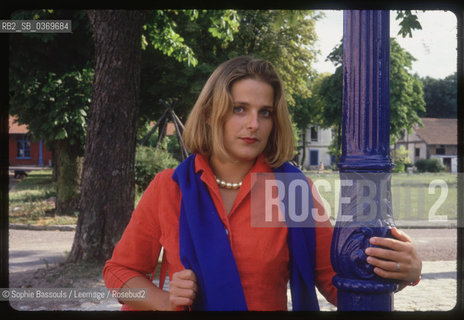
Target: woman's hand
(182,289)
(399,260)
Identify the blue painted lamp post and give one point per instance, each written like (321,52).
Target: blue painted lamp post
(365,165)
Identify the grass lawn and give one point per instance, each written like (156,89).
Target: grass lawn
(31,201)
(414,197)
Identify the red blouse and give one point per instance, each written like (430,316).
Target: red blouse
(261,254)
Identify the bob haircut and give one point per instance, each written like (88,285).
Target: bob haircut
(205,125)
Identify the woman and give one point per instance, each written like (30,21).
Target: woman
(200,213)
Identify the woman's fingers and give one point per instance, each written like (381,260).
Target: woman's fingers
(389,269)
(185,279)
(183,288)
(386,265)
(386,254)
(184,285)
(394,258)
(388,274)
(394,244)
(186,274)
(400,235)
(182,297)
(176,302)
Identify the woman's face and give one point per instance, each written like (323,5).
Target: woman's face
(249,123)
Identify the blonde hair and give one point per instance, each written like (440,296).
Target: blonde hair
(204,127)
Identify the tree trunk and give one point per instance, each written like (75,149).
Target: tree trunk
(303,154)
(54,164)
(108,180)
(69,170)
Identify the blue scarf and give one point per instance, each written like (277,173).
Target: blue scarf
(205,249)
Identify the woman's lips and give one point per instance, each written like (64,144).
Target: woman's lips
(249,140)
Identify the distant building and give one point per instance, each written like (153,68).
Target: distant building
(170,128)
(23,149)
(438,138)
(317,145)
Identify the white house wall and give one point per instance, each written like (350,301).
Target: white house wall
(322,145)
(411,147)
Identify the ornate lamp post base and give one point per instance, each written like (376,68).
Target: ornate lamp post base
(364,295)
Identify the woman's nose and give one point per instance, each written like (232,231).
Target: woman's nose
(252,121)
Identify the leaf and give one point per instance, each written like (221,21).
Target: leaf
(62,134)
(409,22)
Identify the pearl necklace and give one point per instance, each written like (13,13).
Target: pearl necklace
(228,185)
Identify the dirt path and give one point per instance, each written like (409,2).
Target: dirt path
(35,258)
(36,261)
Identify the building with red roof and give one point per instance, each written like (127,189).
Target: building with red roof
(23,149)
(437,138)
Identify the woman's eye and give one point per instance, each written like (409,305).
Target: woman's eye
(238,109)
(266,113)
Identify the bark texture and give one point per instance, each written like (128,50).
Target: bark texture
(68,177)
(108,189)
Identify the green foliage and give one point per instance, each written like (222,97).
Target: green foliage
(307,111)
(167,81)
(440,97)
(296,135)
(148,162)
(170,143)
(336,55)
(406,95)
(161,31)
(55,107)
(327,96)
(173,147)
(335,146)
(429,165)
(310,110)
(284,37)
(224,26)
(401,159)
(408,23)
(50,78)
(330,93)
(37,53)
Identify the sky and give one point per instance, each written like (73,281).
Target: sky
(434,47)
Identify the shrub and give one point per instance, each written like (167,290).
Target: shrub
(401,159)
(429,165)
(421,165)
(148,162)
(399,167)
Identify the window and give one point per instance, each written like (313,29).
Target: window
(313,157)
(440,150)
(313,133)
(24,148)
(417,152)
